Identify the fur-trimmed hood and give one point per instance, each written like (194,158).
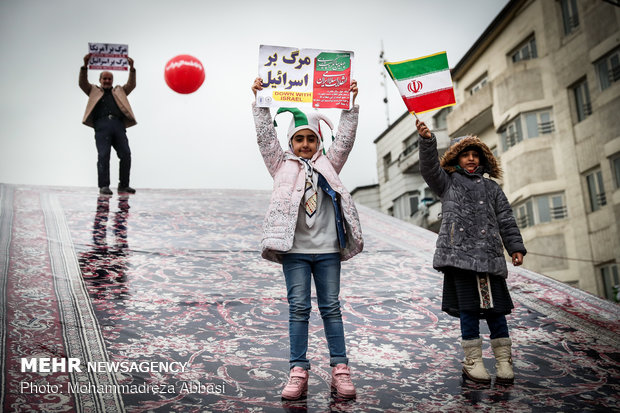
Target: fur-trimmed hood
(449,160)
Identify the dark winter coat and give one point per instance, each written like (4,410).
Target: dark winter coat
(476,216)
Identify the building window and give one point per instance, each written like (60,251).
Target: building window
(525,51)
(541,209)
(387,161)
(551,207)
(538,123)
(512,133)
(611,281)
(583,104)
(429,195)
(570,17)
(414,201)
(615,167)
(406,205)
(410,144)
(524,214)
(495,151)
(608,69)
(527,125)
(441,118)
(596,190)
(479,84)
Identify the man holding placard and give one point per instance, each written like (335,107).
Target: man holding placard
(108,111)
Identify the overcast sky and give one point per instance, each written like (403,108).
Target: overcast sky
(205,139)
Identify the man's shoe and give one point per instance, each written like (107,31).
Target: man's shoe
(297,384)
(126,190)
(105,190)
(341,381)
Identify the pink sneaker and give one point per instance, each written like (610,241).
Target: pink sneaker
(297,384)
(341,381)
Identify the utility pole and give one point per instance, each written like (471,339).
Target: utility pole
(384,83)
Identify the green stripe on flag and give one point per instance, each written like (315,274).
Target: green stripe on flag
(416,67)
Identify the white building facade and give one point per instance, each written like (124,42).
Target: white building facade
(541,87)
(402,190)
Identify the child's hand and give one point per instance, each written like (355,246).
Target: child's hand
(257,85)
(353,90)
(423,129)
(517,259)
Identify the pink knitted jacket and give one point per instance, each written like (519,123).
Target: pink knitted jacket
(289,180)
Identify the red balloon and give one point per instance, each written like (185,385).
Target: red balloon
(184,74)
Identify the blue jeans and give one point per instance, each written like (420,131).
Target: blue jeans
(470,325)
(298,270)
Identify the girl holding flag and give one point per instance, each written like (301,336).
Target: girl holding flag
(477,223)
(310,227)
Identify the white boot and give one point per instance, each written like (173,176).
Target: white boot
(473,367)
(503,359)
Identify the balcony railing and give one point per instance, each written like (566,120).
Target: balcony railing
(559,212)
(546,127)
(524,221)
(571,23)
(614,74)
(512,139)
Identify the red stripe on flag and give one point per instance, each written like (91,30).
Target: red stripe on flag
(424,103)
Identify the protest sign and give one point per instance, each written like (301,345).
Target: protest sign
(295,77)
(108,56)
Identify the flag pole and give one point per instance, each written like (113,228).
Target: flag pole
(384,83)
(418,119)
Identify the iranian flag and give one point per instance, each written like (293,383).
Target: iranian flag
(424,83)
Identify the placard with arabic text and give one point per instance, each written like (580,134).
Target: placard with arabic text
(108,56)
(295,77)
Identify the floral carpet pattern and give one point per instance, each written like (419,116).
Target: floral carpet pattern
(174,279)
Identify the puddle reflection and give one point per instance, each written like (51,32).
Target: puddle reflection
(104,265)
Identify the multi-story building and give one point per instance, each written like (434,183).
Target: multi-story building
(402,191)
(541,87)
(367,195)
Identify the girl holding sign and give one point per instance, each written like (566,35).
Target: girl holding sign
(310,227)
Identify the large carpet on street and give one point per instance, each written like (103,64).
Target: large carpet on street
(168,287)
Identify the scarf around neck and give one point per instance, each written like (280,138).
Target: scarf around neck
(310,190)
